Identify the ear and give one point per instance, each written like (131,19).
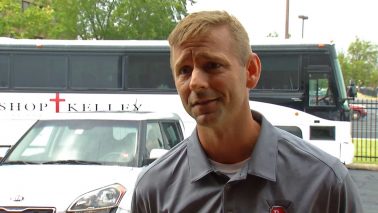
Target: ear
(253,71)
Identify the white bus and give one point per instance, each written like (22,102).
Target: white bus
(51,76)
(304,76)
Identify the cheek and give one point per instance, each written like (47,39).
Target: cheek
(225,82)
(234,86)
(182,87)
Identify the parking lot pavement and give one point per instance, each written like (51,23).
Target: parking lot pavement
(367,183)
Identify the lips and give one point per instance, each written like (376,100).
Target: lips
(202,102)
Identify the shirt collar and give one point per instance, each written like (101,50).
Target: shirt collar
(263,162)
(199,165)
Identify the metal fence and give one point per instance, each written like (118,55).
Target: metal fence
(364,114)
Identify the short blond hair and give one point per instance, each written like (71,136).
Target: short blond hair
(198,24)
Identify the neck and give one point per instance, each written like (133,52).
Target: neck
(231,143)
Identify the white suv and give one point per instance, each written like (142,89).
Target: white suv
(83,162)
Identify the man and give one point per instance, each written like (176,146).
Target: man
(235,160)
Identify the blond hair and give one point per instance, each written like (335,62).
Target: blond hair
(198,24)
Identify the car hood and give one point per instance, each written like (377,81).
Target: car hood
(59,185)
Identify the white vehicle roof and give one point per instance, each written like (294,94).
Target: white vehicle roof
(137,116)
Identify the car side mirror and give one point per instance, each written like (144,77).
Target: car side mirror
(157,153)
(154,154)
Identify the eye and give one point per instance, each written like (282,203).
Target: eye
(185,70)
(210,66)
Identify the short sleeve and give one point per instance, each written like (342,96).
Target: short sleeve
(346,197)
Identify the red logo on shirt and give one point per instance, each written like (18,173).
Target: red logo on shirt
(277,209)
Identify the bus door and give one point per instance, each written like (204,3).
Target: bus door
(321,102)
(320,93)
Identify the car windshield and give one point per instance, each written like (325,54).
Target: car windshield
(78,142)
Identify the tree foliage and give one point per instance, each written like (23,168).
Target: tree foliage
(91,19)
(360,63)
(15,21)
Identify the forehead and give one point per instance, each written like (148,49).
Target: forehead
(216,42)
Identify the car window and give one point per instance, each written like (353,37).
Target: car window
(173,132)
(102,141)
(154,139)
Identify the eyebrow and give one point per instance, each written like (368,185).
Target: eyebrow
(208,55)
(211,56)
(182,58)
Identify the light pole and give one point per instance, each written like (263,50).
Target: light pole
(287,20)
(303,17)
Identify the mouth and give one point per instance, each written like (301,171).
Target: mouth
(204,103)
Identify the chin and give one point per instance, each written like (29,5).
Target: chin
(207,119)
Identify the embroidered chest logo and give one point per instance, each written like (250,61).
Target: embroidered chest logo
(277,209)
(278,206)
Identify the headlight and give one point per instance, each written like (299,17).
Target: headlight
(100,200)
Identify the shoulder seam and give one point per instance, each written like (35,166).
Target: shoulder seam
(329,165)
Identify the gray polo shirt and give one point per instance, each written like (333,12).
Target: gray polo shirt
(284,174)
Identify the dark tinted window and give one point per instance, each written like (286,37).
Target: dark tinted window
(87,71)
(39,71)
(279,72)
(173,132)
(293,130)
(322,133)
(149,71)
(320,90)
(317,59)
(96,72)
(4,71)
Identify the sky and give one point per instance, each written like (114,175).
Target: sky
(338,21)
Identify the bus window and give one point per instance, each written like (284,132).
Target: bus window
(293,130)
(322,133)
(4,71)
(149,71)
(96,72)
(316,59)
(279,72)
(39,71)
(320,90)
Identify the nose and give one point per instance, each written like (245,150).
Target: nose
(199,80)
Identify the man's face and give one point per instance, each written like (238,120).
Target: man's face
(209,77)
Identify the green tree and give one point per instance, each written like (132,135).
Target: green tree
(65,22)
(30,22)
(360,63)
(344,64)
(91,19)
(128,19)
(8,15)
